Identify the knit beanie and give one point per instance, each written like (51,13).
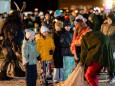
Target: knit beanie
(59,23)
(79,17)
(67,23)
(43,29)
(57,12)
(66,18)
(29,33)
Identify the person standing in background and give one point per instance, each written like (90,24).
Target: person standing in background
(68,57)
(58,58)
(108,29)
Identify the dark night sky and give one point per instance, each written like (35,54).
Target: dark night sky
(40,4)
(54,4)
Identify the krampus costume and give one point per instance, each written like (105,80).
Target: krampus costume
(11,35)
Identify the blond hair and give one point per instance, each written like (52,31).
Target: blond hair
(59,23)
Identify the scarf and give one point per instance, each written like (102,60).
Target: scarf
(76,41)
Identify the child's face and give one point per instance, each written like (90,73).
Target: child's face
(45,33)
(32,37)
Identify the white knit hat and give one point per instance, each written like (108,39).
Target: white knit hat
(79,17)
(43,29)
(29,33)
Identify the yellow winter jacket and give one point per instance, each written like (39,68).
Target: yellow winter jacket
(43,46)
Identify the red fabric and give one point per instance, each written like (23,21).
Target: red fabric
(73,47)
(92,72)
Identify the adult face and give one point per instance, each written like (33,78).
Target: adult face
(78,26)
(109,20)
(67,28)
(90,18)
(57,28)
(47,16)
(36,13)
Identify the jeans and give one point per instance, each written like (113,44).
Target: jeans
(46,67)
(31,75)
(58,74)
(68,66)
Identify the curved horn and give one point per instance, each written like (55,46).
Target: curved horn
(17,6)
(23,7)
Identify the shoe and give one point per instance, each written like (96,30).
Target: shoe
(55,83)
(111,80)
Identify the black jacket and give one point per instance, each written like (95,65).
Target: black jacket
(58,59)
(65,40)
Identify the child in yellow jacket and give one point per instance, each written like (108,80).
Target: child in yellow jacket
(45,47)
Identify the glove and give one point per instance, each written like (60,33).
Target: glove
(39,58)
(51,52)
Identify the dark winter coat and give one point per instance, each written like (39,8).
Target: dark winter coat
(48,23)
(109,31)
(58,59)
(96,23)
(96,47)
(65,40)
(90,25)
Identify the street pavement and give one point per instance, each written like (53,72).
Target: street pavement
(20,81)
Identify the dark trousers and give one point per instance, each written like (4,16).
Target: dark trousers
(78,51)
(31,75)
